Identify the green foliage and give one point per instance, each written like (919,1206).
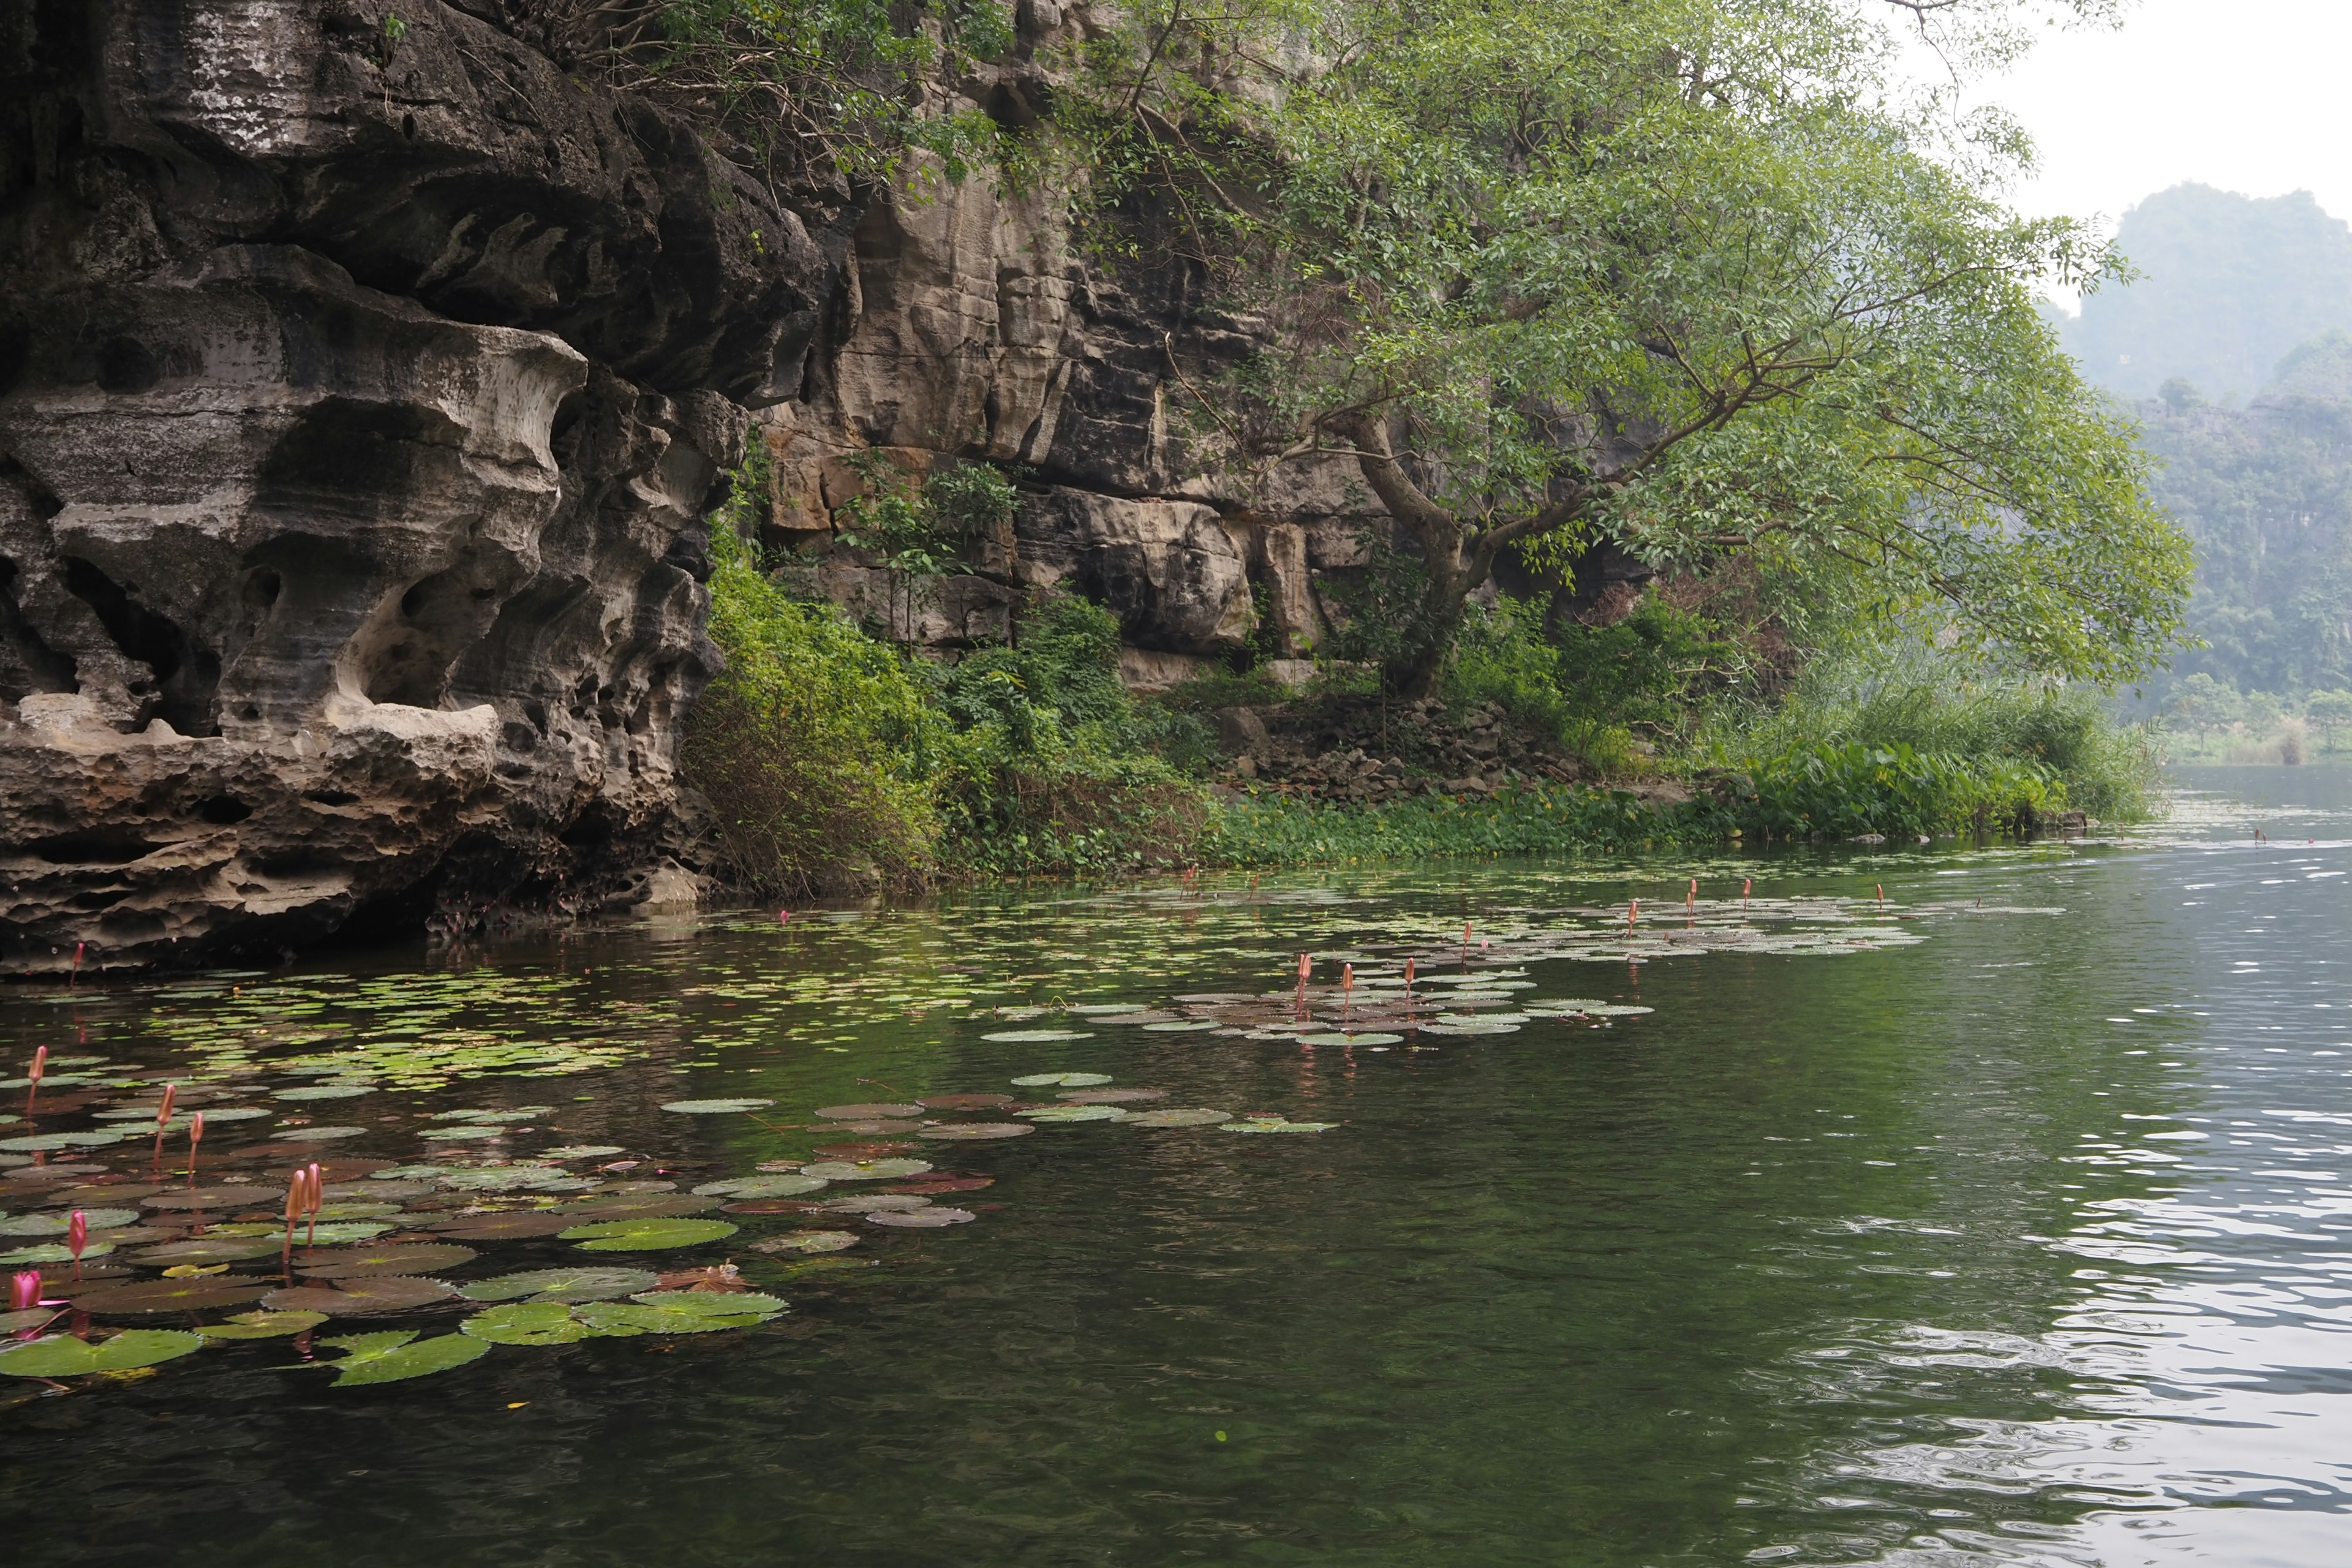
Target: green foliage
(814,746)
(1845,791)
(845,82)
(1650,670)
(1884,693)
(1538,820)
(1676,274)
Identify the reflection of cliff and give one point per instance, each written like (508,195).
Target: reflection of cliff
(360,402)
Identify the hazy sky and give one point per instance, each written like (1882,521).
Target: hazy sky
(2247,95)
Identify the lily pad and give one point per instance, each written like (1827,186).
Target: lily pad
(360,1298)
(877,1111)
(526,1323)
(1062,1080)
(1276,1124)
(976,1132)
(396,1356)
(451,1134)
(808,1243)
(1369,1037)
(866,1170)
(512,1178)
(714,1303)
(963,1101)
(54,1252)
(386,1258)
(1181,1026)
(208,1249)
(251,1196)
(628,1318)
(921,1219)
(62,1355)
(633,1207)
(1036,1037)
(715,1107)
(262,1325)
(1059,1114)
(502,1227)
(1480,1028)
(1109,1096)
(56,1224)
(873,1203)
(197,1294)
(1180,1117)
(321,1091)
(646,1234)
(581,1152)
(38,1141)
(786,1187)
(584,1284)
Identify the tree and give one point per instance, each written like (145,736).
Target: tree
(1677,276)
(2331,711)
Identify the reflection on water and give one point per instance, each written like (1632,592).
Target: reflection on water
(2021,1242)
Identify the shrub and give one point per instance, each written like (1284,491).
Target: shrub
(1846,790)
(813,744)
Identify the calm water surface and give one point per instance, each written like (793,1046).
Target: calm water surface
(2023,1243)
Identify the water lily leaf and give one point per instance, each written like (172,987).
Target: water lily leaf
(526,1323)
(452,1134)
(186,1295)
(502,1227)
(343,1211)
(36,1143)
(921,1219)
(339,1232)
(413,1173)
(623,1320)
(56,1224)
(211,1198)
(866,1170)
(62,1355)
(262,1325)
(878,1110)
(715,1107)
(581,1152)
(643,1206)
(787,1186)
(1276,1124)
(873,1203)
(1062,1080)
(1334,1038)
(208,1249)
(1181,1117)
(16,1323)
(1109,1096)
(976,1132)
(1030,1037)
(385,1258)
(714,1303)
(1059,1114)
(1181,1026)
(55,1252)
(1616,1010)
(646,1234)
(582,1284)
(320,1091)
(216,1113)
(510,1179)
(360,1298)
(369,1358)
(1480,1028)
(808,1242)
(963,1101)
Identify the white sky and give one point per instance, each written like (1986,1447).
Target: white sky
(2247,95)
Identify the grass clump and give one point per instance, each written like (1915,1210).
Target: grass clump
(1540,819)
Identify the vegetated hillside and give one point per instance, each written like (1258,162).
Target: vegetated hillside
(2228,284)
(2266,493)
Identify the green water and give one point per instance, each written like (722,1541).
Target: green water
(2022,1243)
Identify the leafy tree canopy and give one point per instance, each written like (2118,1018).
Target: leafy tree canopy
(1687,275)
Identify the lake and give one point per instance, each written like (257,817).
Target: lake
(1929,1205)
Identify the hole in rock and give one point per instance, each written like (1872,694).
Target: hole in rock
(330,797)
(222,809)
(186,675)
(94,847)
(127,366)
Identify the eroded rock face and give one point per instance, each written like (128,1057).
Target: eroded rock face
(359,405)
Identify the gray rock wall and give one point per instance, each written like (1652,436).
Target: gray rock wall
(362,401)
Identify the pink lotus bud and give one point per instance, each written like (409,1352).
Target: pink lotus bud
(40,1065)
(195,1129)
(24,1289)
(1305,964)
(1347,977)
(164,1111)
(1408,974)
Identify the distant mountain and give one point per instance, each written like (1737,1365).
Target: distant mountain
(2229,285)
(2266,492)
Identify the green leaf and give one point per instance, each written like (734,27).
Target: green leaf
(645,1234)
(62,1355)
(396,1356)
(526,1323)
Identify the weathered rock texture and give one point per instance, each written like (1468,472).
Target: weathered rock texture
(362,400)
(359,405)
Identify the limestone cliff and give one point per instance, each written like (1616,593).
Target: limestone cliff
(362,391)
